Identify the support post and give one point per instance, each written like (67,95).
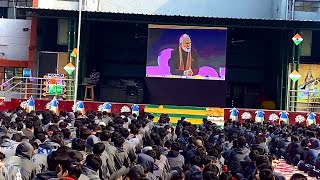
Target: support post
(77,57)
(69,83)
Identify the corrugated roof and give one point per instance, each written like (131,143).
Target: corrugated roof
(110,12)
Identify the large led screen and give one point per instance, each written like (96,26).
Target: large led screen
(188,52)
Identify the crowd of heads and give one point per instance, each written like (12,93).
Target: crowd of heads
(99,145)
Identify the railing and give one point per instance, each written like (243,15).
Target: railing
(24,87)
(303,100)
(307,5)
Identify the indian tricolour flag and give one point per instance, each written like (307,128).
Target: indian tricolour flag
(297,39)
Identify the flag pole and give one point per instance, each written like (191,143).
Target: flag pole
(77,58)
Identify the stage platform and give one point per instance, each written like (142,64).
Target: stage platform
(192,113)
(40,104)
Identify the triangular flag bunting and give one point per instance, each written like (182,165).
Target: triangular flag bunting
(74,52)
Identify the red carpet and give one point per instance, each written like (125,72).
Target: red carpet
(288,170)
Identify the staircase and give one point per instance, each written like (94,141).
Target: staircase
(303,101)
(24,87)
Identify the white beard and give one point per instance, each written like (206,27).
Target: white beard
(186,49)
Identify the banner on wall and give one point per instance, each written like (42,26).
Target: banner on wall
(54,84)
(308,84)
(192,114)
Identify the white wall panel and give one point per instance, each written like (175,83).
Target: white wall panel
(14,41)
(207,8)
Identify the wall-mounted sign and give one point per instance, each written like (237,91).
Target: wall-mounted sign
(26,72)
(54,84)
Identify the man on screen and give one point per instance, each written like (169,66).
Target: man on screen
(184,60)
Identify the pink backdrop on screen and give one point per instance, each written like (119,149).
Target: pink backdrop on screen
(164,69)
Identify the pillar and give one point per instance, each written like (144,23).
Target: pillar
(33,43)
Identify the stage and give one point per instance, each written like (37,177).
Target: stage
(40,105)
(192,113)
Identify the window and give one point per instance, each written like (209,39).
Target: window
(307,5)
(1,72)
(3,12)
(18,72)
(8,72)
